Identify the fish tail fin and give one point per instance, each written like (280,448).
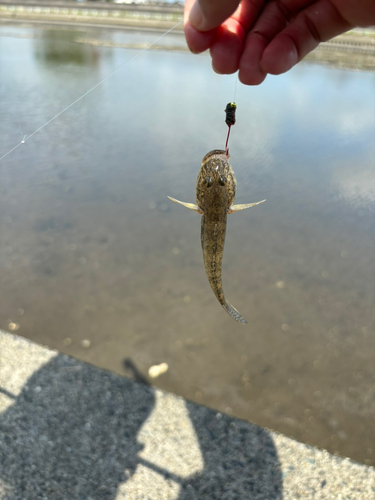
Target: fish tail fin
(232,311)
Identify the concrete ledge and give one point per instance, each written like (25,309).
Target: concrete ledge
(69,430)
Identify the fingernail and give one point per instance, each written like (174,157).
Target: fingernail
(196,15)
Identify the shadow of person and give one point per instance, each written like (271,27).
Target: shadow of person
(72,433)
(240,460)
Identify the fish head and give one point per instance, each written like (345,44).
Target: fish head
(216,179)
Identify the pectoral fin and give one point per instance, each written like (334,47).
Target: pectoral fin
(188,205)
(237,208)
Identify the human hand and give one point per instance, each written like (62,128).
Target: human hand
(258,37)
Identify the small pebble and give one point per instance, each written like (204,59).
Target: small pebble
(85,343)
(13,326)
(280,284)
(157,370)
(67,341)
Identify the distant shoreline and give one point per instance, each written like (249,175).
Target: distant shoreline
(128,16)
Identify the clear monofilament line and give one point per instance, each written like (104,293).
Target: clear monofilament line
(235,87)
(26,138)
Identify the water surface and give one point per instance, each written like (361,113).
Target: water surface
(96,262)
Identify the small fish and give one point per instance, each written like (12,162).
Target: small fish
(215,193)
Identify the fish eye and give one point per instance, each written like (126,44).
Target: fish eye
(222,180)
(208,181)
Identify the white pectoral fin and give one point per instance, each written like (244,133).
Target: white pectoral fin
(237,208)
(188,205)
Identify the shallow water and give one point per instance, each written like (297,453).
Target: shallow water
(96,262)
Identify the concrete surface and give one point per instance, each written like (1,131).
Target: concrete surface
(69,430)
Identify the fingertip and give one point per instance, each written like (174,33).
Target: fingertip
(250,72)
(280,56)
(251,77)
(206,15)
(196,17)
(199,21)
(226,51)
(191,38)
(217,71)
(198,42)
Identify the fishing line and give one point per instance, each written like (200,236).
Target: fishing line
(235,88)
(230,114)
(90,90)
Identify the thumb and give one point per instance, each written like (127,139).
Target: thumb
(206,15)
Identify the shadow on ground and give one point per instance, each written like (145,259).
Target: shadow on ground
(72,434)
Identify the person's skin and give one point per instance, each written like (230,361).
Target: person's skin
(258,37)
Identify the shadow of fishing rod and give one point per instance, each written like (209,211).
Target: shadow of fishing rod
(129,365)
(7,393)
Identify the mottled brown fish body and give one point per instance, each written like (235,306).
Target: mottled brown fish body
(215,193)
(212,238)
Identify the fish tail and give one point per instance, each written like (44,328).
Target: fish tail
(232,311)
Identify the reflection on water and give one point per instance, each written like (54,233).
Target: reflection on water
(56,48)
(97,263)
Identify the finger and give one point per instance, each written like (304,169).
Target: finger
(223,41)
(273,19)
(226,51)
(206,15)
(228,45)
(317,23)
(197,41)
(249,70)
(247,12)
